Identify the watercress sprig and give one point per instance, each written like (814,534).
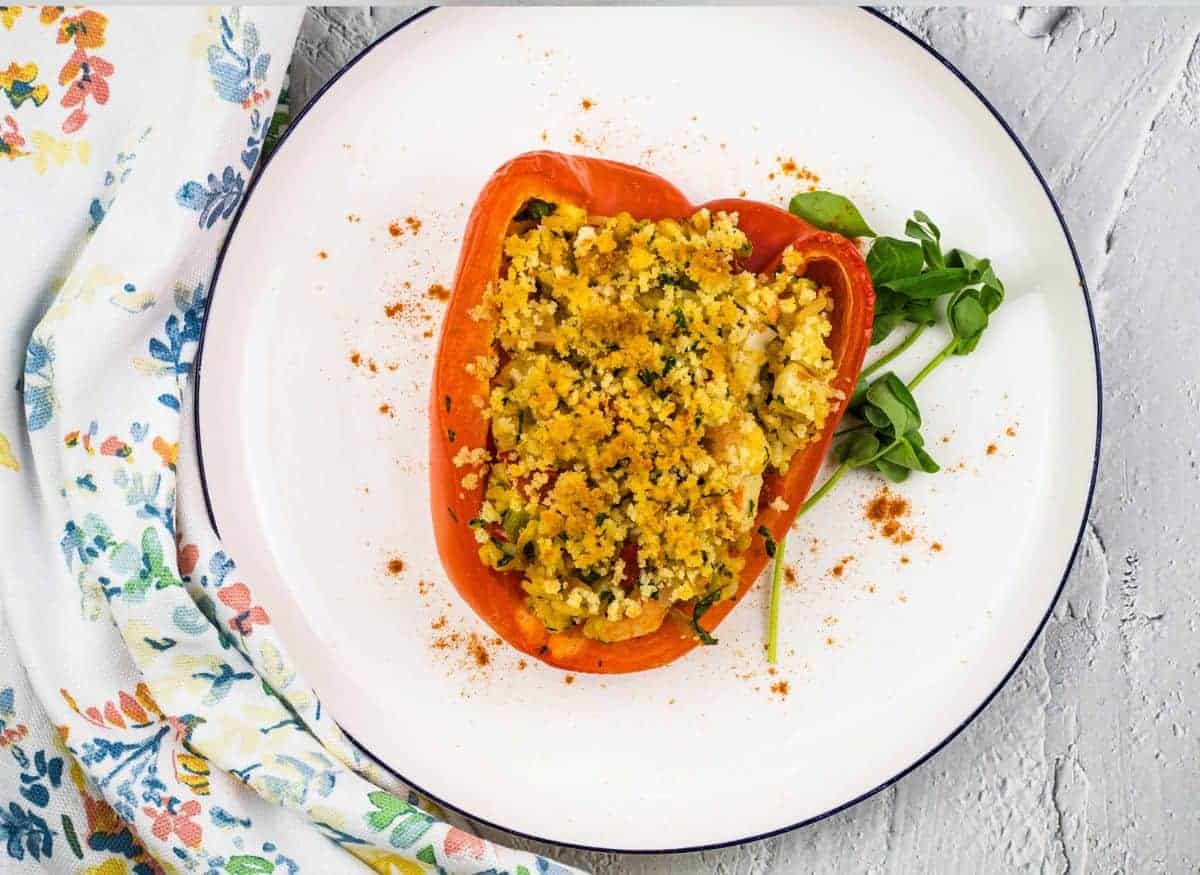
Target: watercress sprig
(910,276)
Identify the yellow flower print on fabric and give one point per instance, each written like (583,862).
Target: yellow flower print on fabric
(8,458)
(193,772)
(239,735)
(138,635)
(111,866)
(47,150)
(387,862)
(191,677)
(9,15)
(18,83)
(81,288)
(280,675)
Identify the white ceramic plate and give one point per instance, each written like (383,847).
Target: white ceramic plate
(315,490)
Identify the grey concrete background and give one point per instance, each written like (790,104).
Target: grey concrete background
(1088,759)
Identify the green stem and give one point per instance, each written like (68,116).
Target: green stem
(899,350)
(838,473)
(871,460)
(824,488)
(773,619)
(777,573)
(947,351)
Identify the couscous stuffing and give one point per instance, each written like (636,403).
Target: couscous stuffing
(642,385)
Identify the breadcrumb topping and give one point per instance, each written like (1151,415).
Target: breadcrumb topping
(642,384)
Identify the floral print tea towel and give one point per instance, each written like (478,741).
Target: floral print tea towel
(150,719)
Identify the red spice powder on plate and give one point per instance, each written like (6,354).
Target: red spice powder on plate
(478,652)
(884,511)
(791,168)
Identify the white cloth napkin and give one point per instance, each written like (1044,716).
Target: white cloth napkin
(150,719)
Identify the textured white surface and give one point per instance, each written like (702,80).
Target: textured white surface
(1087,760)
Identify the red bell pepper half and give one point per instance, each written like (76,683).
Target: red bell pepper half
(605,188)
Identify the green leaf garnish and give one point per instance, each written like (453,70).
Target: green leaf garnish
(968,319)
(893,472)
(889,399)
(830,212)
(885,324)
(931,284)
(858,450)
(891,259)
(921,312)
(902,454)
(921,228)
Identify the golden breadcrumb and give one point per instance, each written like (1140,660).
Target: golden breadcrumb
(642,384)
